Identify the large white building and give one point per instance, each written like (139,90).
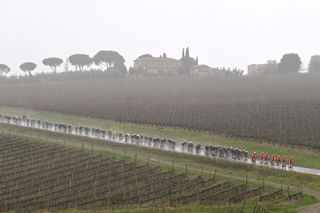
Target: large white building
(157,65)
(147,64)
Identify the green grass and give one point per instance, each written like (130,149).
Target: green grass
(181,209)
(303,157)
(278,207)
(290,207)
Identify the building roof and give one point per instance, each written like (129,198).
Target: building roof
(156,59)
(145,56)
(201,66)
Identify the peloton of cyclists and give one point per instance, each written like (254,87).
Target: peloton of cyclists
(283,162)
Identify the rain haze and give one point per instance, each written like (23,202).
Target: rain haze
(222,33)
(160,106)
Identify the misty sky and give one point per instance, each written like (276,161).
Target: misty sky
(230,33)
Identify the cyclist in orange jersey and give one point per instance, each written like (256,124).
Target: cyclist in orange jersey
(273,160)
(261,158)
(284,162)
(266,158)
(288,162)
(253,157)
(291,163)
(278,160)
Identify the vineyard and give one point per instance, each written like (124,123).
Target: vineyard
(277,108)
(37,176)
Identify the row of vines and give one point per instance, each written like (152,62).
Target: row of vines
(37,176)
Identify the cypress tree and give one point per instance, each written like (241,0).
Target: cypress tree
(187,53)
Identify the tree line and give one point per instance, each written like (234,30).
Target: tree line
(291,63)
(107,60)
(111,60)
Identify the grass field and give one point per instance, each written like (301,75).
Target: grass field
(283,207)
(303,157)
